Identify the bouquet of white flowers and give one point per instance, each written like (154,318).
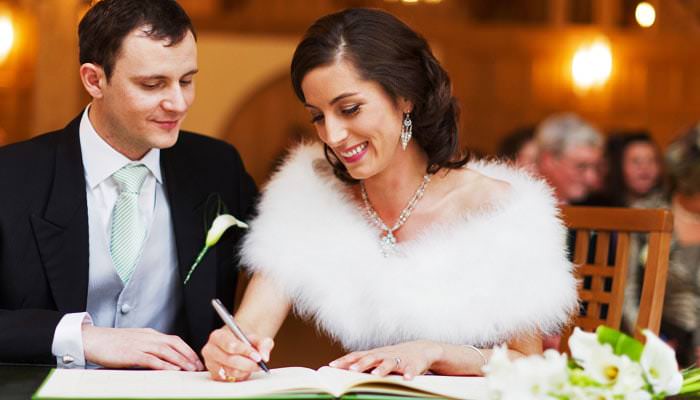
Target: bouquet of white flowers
(605,365)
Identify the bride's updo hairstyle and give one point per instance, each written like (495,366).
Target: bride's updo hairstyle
(385,50)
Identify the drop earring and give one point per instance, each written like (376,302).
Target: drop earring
(406,130)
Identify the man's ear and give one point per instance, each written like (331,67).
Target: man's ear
(93,78)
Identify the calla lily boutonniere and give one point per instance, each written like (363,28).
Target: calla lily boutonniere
(218,227)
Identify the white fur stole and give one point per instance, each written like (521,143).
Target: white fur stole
(481,280)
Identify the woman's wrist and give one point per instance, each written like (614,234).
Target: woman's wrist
(481,355)
(460,360)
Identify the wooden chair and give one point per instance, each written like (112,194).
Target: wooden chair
(602,286)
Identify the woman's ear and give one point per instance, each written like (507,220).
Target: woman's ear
(405,105)
(93,78)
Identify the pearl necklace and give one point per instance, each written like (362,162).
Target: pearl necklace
(387,240)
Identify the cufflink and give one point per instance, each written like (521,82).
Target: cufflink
(67,360)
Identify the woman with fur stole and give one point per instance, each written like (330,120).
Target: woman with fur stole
(411,256)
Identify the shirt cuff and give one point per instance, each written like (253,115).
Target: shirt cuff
(67,343)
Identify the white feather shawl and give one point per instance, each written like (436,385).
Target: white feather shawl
(481,280)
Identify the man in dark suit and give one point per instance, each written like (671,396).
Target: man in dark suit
(100,221)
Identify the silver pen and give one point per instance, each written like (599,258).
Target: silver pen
(233,326)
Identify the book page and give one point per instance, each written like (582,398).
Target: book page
(139,384)
(111,384)
(339,381)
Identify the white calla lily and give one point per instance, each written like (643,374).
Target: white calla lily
(583,345)
(220,225)
(659,364)
(604,366)
(630,381)
(601,364)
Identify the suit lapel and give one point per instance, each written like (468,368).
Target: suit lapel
(187,207)
(62,232)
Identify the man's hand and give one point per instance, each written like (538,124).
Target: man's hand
(137,348)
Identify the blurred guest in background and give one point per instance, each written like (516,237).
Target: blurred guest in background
(681,316)
(633,170)
(520,147)
(570,154)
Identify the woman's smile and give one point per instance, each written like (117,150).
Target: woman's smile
(354,153)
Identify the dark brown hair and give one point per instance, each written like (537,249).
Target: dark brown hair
(385,50)
(616,187)
(103,28)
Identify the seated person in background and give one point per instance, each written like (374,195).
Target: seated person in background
(100,221)
(680,322)
(569,157)
(633,170)
(520,147)
(413,259)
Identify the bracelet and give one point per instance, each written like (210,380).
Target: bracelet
(481,354)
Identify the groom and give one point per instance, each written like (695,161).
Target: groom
(100,221)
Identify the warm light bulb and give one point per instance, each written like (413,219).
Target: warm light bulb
(7,36)
(592,65)
(645,14)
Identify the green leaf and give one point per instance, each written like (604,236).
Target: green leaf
(693,388)
(622,344)
(578,377)
(691,373)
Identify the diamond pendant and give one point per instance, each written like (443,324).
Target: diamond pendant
(388,243)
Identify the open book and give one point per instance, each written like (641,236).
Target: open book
(294,382)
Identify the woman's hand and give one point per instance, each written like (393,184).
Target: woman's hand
(408,359)
(417,357)
(229,359)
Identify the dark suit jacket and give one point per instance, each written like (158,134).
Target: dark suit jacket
(44,235)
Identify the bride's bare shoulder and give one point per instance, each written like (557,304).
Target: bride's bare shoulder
(467,190)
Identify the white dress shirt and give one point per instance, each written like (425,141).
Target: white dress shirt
(151,298)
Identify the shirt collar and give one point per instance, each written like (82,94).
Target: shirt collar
(101,160)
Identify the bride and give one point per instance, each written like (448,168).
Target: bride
(411,257)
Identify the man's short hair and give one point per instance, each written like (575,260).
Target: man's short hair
(560,132)
(103,28)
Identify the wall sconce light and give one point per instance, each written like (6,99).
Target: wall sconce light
(592,65)
(645,14)
(7,35)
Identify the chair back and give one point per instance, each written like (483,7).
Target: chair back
(601,255)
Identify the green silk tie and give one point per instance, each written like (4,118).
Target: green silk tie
(128,230)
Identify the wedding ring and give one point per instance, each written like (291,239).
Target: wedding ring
(222,374)
(398,361)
